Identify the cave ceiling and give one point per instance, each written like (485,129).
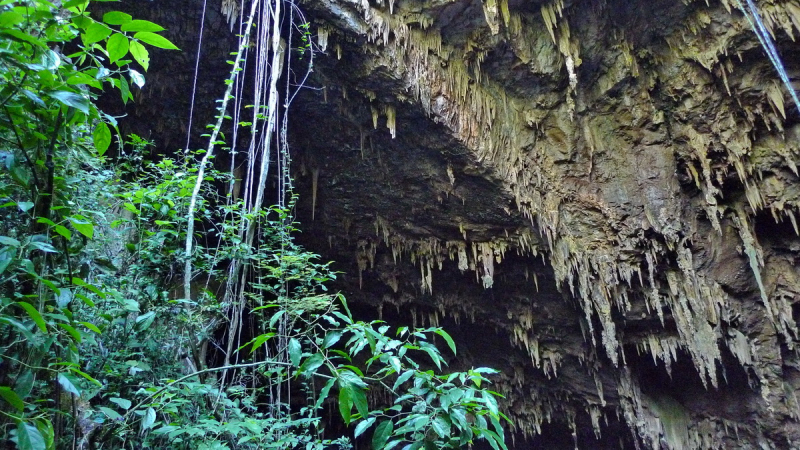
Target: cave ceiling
(597,197)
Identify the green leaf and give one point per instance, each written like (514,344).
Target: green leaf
(29,437)
(45,427)
(63,231)
(25,206)
(149,419)
(86,375)
(95,33)
(345,404)
(155,40)
(362,426)
(92,327)
(311,364)
(78,78)
(83,226)
(295,351)
(5,240)
(10,18)
(331,338)
(137,78)
(116,18)
(72,332)
(113,415)
(323,394)
(72,99)
(68,384)
(382,433)
(140,54)
(34,314)
(12,398)
(359,397)
(117,47)
(123,403)
(447,339)
(403,378)
(441,426)
(101,137)
(141,25)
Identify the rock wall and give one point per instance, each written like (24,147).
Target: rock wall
(600,197)
(597,197)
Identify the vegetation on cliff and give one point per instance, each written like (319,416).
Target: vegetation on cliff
(99,348)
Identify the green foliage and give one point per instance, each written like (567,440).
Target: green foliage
(97,348)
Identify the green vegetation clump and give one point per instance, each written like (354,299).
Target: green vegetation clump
(99,349)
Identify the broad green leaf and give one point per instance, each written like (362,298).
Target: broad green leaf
(403,378)
(123,403)
(345,404)
(116,18)
(441,426)
(295,351)
(117,46)
(331,338)
(45,427)
(22,37)
(68,384)
(447,339)
(382,433)
(95,33)
(362,426)
(34,314)
(82,225)
(140,54)
(359,397)
(85,375)
(29,437)
(149,419)
(24,384)
(81,78)
(5,240)
(12,398)
(141,25)
(323,394)
(491,402)
(63,231)
(72,332)
(113,415)
(311,364)
(124,89)
(155,40)
(72,99)
(25,206)
(92,327)
(137,78)
(101,137)
(10,18)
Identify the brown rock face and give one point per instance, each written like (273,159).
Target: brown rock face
(597,197)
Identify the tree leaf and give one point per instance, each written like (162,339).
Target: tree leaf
(95,33)
(141,25)
(34,314)
(295,351)
(149,419)
(123,403)
(63,231)
(29,437)
(403,378)
(12,398)
(359,397)
(137,78)
(117,47)
(323,394)
(83,226)
(68,384)
(140,54)
(155,40)
(72,332)
(441,426)
(362,426)
(331,338)
(113,415)
(382,433)
(116,18)
(345,404)
(72,99)
(447,339)
(5,240)
(101,137)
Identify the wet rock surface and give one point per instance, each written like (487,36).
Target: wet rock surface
(598,198)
